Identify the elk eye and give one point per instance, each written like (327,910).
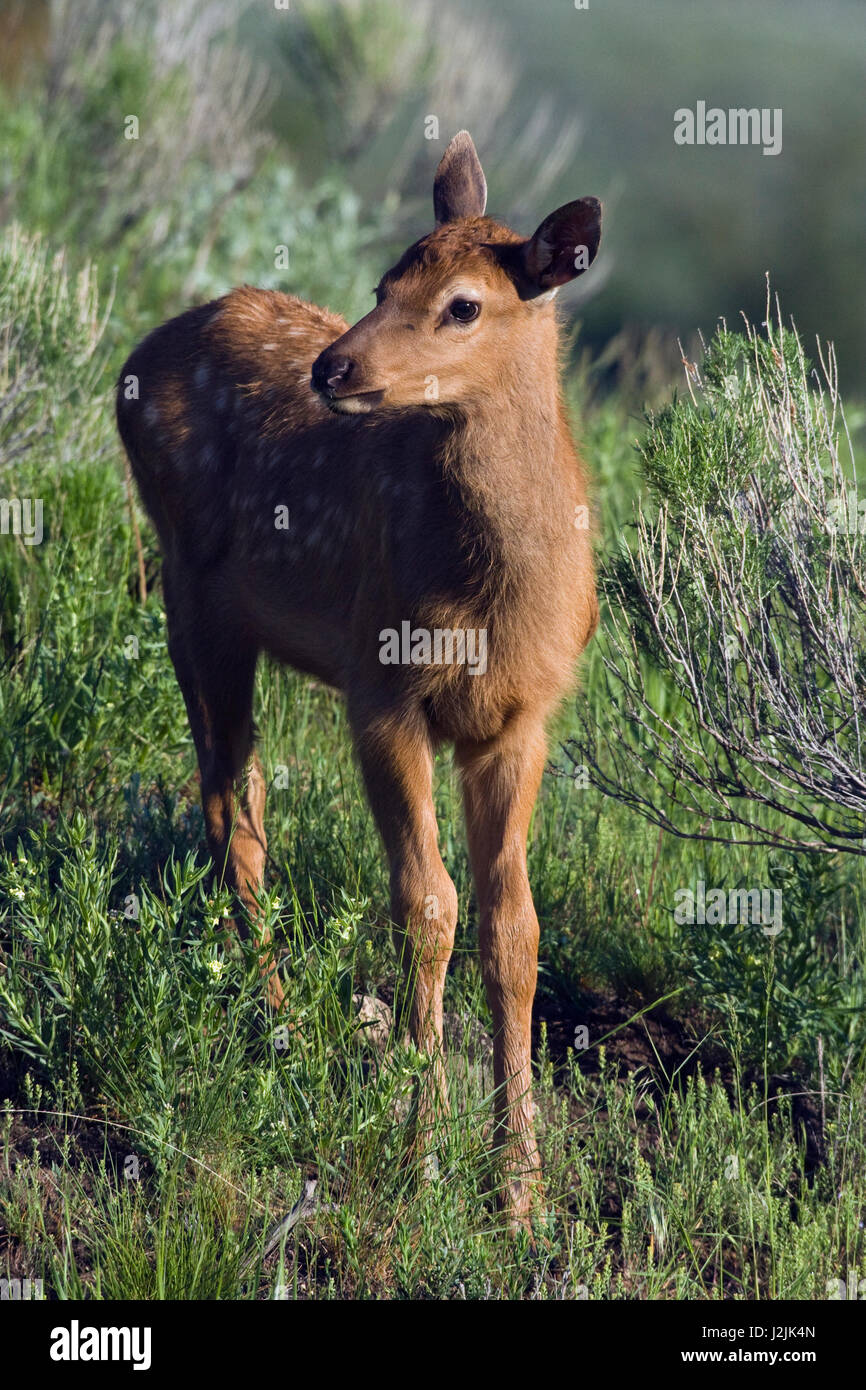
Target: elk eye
(464,310)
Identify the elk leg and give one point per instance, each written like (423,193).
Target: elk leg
(396,759)
(216,678)
(500,784)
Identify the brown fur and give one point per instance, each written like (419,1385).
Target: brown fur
(452,510)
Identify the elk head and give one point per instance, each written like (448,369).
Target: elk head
(458,305)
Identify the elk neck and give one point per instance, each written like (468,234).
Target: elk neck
(505,451)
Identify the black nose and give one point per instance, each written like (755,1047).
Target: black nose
(330,372)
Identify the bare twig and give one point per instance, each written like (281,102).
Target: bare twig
(745,588)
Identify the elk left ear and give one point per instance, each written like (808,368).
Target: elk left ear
(564,246)
(459,188)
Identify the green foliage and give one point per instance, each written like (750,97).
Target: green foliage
(333,249)
(742,585)
(733,667)
(691,230)
(131,1021)
(135,983)
(778,987)
(72,174)
(355,60)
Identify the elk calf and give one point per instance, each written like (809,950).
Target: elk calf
(424,464)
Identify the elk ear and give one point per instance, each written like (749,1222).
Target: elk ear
(564,246)
(459,188)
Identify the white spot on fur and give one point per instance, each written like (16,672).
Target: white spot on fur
(351,405)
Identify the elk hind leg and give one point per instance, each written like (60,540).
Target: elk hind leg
(216,676)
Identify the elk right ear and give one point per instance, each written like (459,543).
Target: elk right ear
(564,246)
(459,188)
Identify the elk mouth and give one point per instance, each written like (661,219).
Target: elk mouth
(354,402)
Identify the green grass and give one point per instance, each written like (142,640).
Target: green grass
(707,1143)
(703,1139)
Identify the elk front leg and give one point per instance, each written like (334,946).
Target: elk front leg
(395,755)
(500,784)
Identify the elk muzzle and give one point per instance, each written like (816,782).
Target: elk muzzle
(339,381)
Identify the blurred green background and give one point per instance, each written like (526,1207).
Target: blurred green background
(562,102)
(691,231)
(582,101)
